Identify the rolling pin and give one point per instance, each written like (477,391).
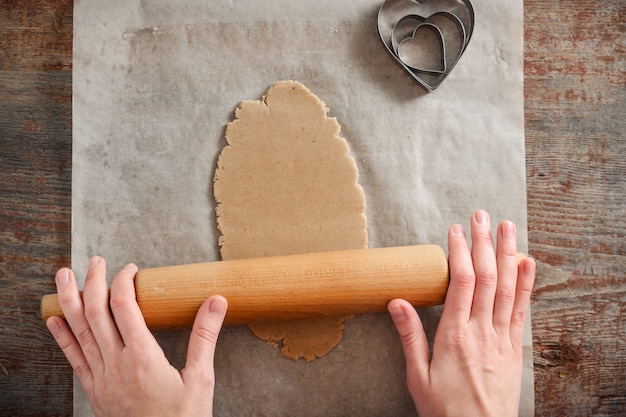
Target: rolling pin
(292,287)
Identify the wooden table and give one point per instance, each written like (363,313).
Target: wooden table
(575,85)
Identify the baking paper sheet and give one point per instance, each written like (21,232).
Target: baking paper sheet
(155,83)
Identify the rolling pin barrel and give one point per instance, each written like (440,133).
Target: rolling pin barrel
(290,287)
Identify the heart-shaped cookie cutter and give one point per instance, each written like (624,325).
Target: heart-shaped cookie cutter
(417,51)
(426,38)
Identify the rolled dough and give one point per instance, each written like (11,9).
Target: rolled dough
(286,184)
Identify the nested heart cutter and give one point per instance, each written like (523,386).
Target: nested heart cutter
(428,37)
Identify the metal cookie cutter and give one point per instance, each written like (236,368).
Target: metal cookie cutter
(426,37)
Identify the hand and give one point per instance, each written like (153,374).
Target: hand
(476,363)
(119,363)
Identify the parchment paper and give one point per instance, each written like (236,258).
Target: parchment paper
(155,83)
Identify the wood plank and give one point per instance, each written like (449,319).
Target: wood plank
(575,66)
(36,35)
(35,200)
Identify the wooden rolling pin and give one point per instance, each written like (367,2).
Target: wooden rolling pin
(289,287)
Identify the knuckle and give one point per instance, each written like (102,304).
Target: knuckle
(483,234)
(465,280)
(119,303)
(517,318)
(456,337)
(487,277)
(65,298)
(141,362)
(69,302)
(138,365)
(505,294)
(409,338)
(82,371)
(84,336)
(205,377)
(525,286)
(207,333)
(504,246)
(94,313)
(507,249)
(65,342)
(115,371)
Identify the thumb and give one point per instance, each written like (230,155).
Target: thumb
(414,342)
(202,341)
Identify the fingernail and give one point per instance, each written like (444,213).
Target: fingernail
(217,306)
(530,266)
(131,266)
(508,230)
(95,260)
(397,313)
(482,217)
(53,327)
(63,278)
(457,229)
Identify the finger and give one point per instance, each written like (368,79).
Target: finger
(72,307)
(484,258)
(458,303)
(506,260)
(97,312)
(414,343)
(72,350)
(202,341)
(128,317)
(525,282)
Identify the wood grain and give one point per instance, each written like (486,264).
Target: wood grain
(301,286)
(575,81)
(575,63)
(35,200)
